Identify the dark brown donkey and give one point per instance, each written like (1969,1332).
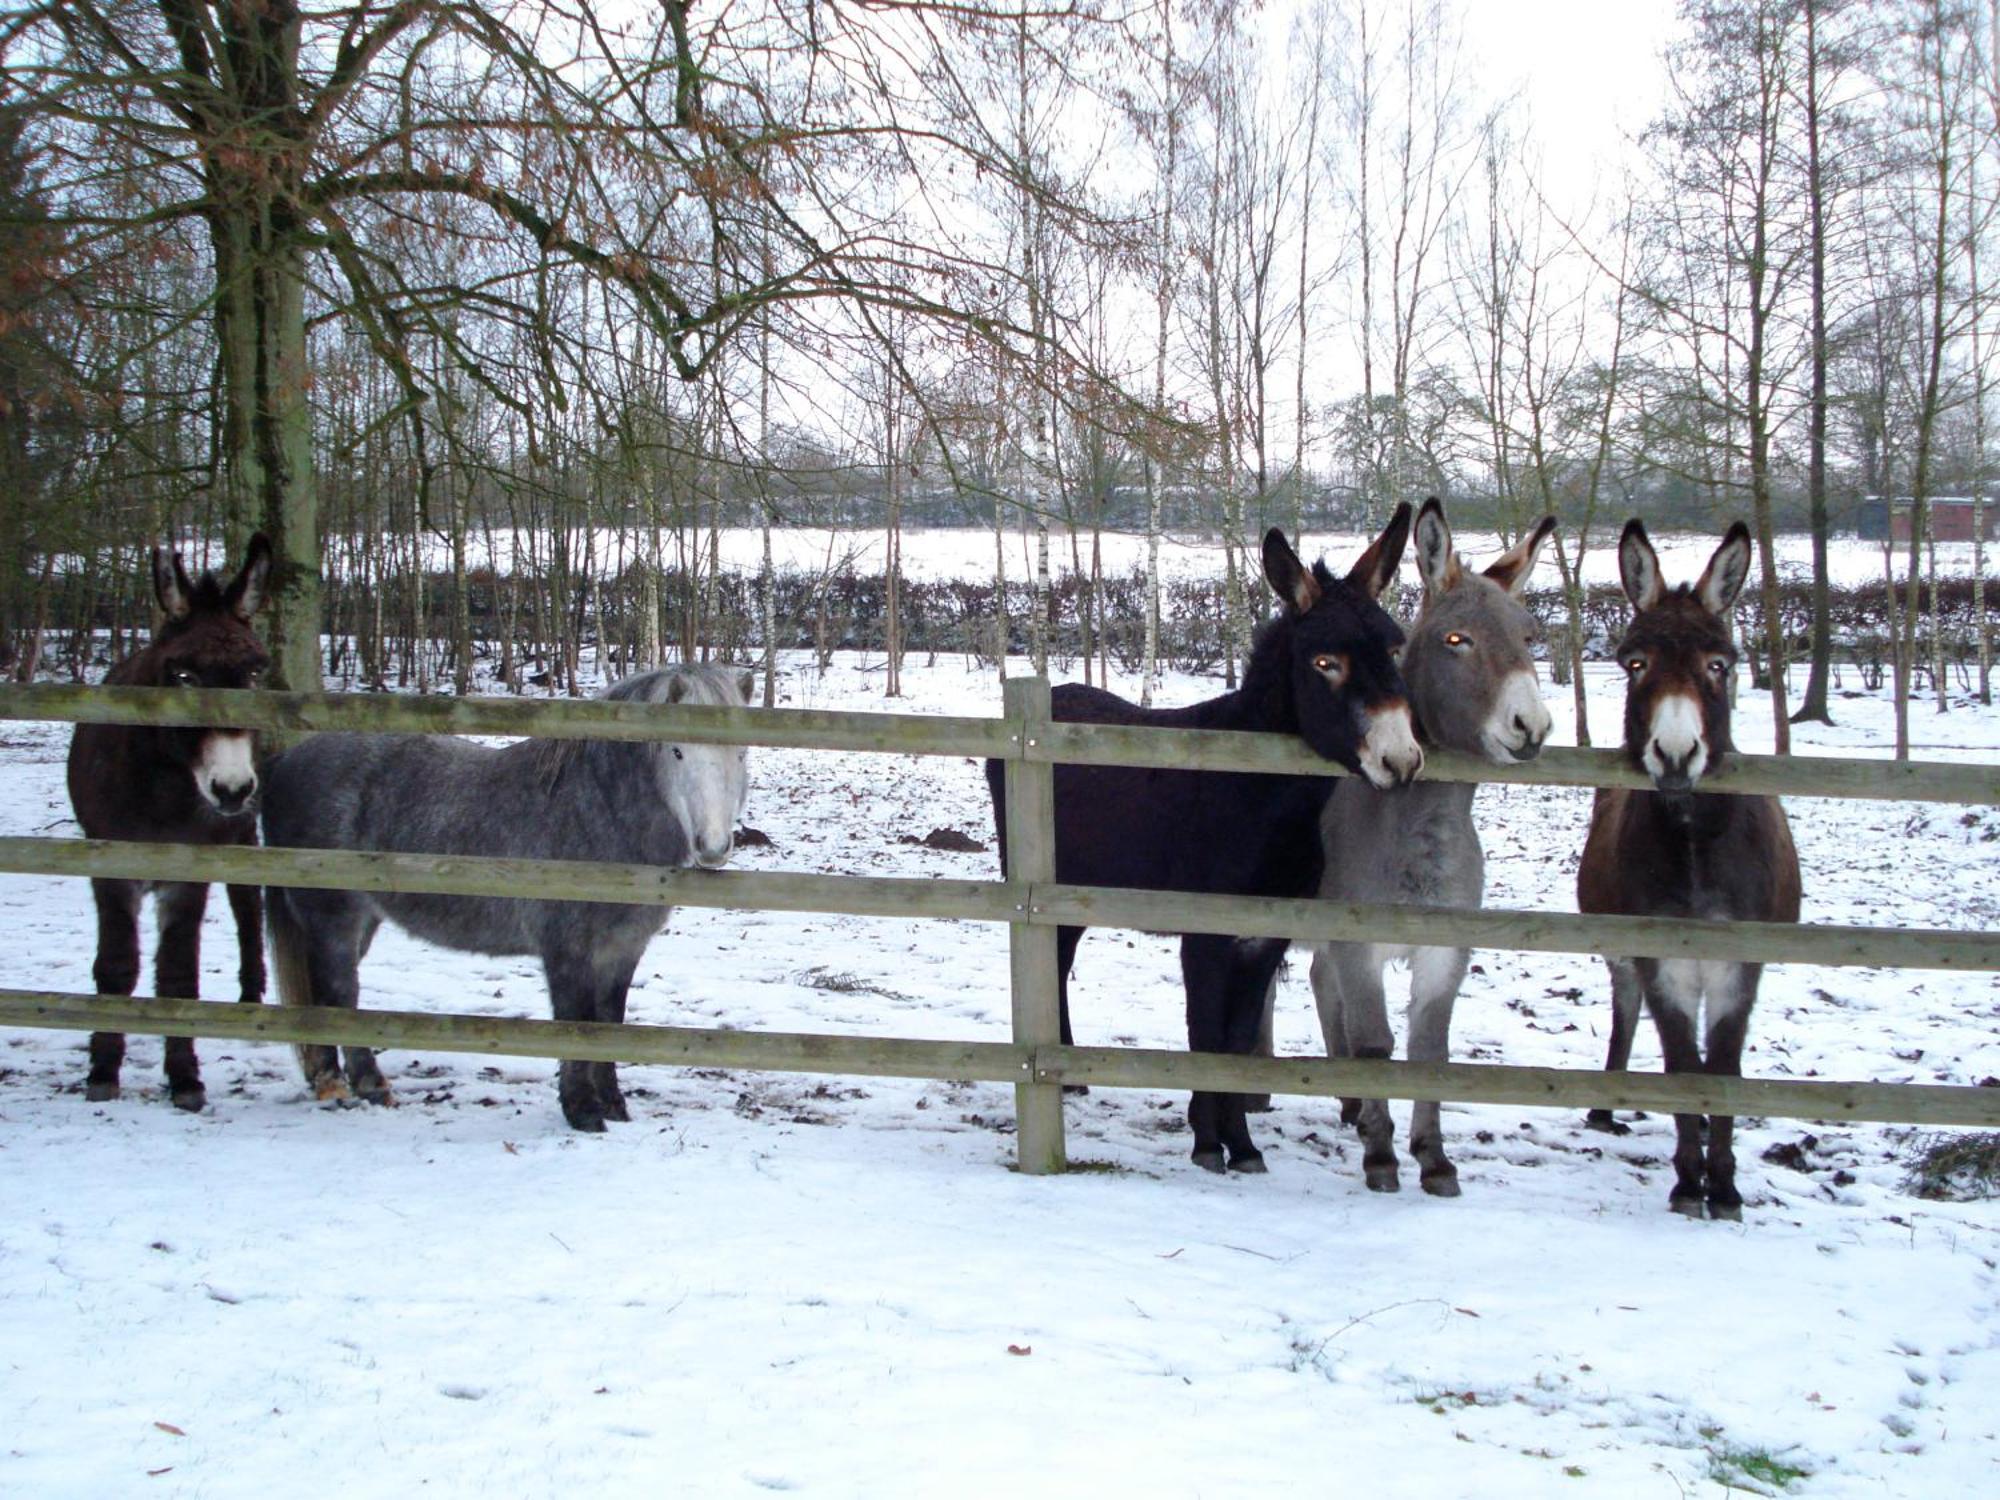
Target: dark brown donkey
(178,786)
(1676,852)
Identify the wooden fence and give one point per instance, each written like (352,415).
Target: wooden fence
(1030,901)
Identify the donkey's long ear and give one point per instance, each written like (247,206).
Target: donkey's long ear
(1722,580)
(1437,562)
(1639,566)
(1289,578)
(1511,569)
(171,585)
(246,591)
(1376,568)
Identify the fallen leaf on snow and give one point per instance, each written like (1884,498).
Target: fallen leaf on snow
(1020,1348)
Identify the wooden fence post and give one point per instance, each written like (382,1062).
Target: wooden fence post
(1031,863)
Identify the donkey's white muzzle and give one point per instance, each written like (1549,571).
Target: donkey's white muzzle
(1519,722)
(1390,754)
(226,772)
(1676,750)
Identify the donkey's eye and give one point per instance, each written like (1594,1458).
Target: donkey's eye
(1457,640)
(1332,667)
(1635,664)
(1718,666)
(182,676)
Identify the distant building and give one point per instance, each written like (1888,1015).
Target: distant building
(1879,517)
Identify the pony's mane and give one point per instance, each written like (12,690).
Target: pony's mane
(706,684)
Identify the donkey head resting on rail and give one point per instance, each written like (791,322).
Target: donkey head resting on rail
(1675,851)
(175,785)
(1471,669)
(644,803)
(1324,670)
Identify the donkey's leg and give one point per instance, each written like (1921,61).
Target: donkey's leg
(1067,939)
(1673,997)
(1253,969)
(364,1071)
(246,905)
(1732,992)
(1266,1043)
(1331,1004)
(177,973)
(1355,970)
(116,972)
(1625,995)
(1205,963)
(1435,975)
(317,937)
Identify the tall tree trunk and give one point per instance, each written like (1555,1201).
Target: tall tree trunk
(1813,705)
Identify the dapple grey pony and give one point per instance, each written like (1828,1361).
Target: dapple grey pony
(1471,676)
(650,803)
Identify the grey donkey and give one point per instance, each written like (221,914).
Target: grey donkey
(644,803)
(1472,682)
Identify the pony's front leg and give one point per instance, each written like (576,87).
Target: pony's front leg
(177,973)
(1355,975)
(116,972)
(611,1008)
(1435,975)
(579,991)
(1625,995)
(246,905)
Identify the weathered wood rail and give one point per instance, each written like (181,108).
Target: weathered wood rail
(1031,902)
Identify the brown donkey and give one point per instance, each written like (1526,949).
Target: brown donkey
(1677,852)
(179,786)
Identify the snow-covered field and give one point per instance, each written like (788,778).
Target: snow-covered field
(837,1286)
(944,554)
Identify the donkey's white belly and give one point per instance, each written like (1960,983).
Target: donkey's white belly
(1684,982)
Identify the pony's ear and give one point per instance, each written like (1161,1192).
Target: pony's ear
(1722,580)
(1511,569)
(1639,566)
(170,584)
(246,591)
(1376,568)
(1437,562)
(746,682)
(677,688)
(1288,577)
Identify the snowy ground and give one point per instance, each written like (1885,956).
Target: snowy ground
(774,1282)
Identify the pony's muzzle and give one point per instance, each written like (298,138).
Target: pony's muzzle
(711,856)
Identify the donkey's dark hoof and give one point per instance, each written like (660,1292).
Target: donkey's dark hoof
(1249,1162)
(188,1096)
(613,1104)
(375,1090)
(1209,1160)
(1689,1205)
(1729,1212)
(1442,1184)
(330,1088)
(589,1124)
(1601,1119)
(1381,1179)
(101,1090)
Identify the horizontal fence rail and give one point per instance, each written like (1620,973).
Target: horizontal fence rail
(1044,905)
(1032,903)
(1010,1062)
(926,734)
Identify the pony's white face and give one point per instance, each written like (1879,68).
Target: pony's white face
(705,787)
